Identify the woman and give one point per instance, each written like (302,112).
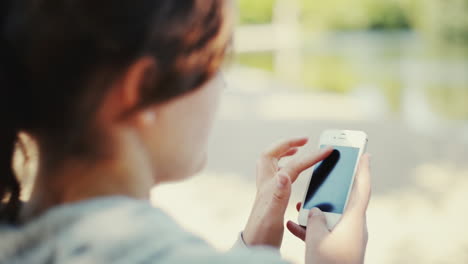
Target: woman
(120,96)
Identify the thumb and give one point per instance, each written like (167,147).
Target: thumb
(317,228)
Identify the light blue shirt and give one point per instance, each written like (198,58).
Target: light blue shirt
(115,230)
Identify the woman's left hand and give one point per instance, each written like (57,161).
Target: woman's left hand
(266,222)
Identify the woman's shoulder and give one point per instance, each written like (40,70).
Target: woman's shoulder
(120,218)
(152,235)
(115,230)
(134,231)
(101,230)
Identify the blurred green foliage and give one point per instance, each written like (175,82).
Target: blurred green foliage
(333,14)
(255,11)
(441,20)
(354,14)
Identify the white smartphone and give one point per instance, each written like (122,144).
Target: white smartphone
(332,179)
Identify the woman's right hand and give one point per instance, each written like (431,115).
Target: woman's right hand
(346,243)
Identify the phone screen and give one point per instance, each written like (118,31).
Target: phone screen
(329,186)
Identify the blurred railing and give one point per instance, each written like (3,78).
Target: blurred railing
(282,37)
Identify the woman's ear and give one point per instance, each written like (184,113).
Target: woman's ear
(146,117)
(125,95)
(139,75)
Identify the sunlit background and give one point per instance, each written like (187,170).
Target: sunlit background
(397,69)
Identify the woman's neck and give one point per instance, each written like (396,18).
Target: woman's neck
(126,173)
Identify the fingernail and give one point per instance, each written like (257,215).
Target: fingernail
(315,212)
(282,180)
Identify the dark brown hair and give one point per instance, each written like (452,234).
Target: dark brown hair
(58,59)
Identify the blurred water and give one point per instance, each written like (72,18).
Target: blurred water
(397,74)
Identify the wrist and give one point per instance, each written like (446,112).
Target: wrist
(266,233)
(240,243)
